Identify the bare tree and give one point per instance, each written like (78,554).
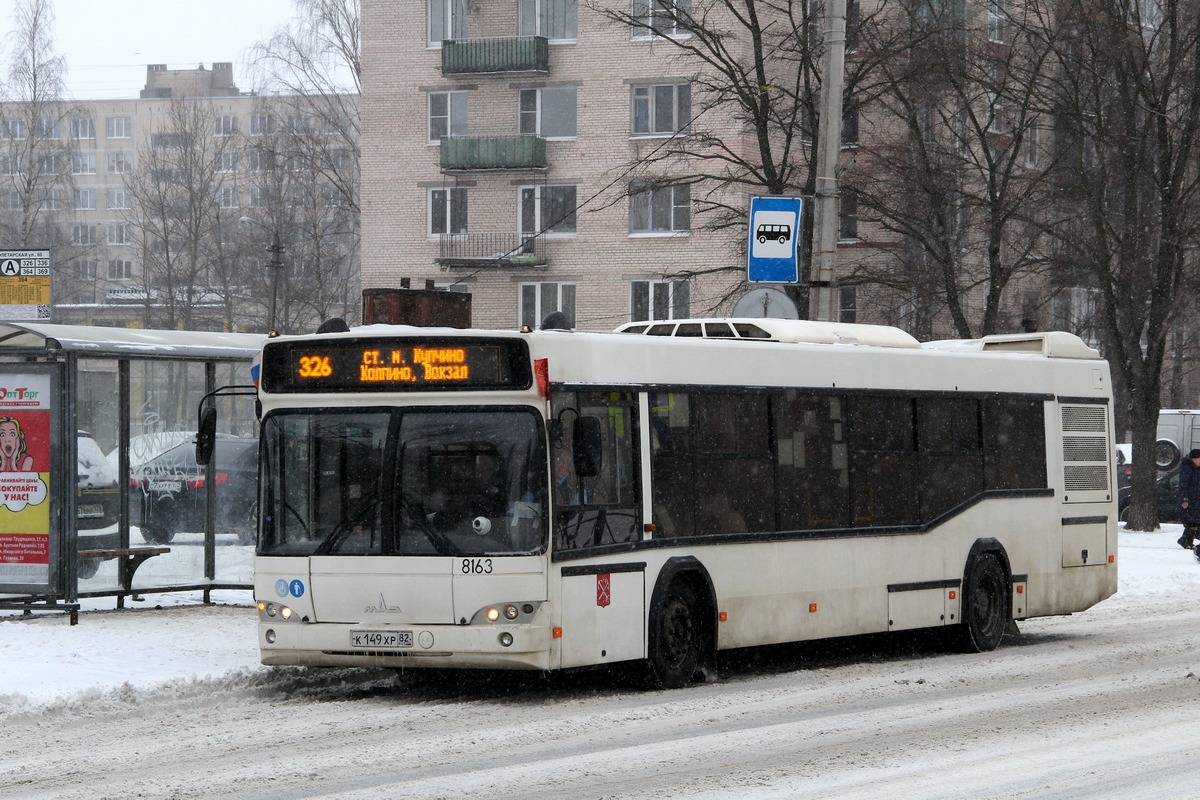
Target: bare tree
(755,92)
(177,196)
(1127,104)
(955,166)
(35,141)
(311,70)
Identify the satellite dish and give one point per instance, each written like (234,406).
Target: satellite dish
(767,303)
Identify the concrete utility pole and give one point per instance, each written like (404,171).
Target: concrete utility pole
(822,304)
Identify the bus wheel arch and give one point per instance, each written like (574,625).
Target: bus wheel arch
(681,630)
(985,613)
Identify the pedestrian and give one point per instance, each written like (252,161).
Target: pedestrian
(1189,499)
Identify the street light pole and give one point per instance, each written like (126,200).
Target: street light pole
(276,251)
(276,265)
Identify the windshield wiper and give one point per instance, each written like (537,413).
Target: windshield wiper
(440,541)
(344,527)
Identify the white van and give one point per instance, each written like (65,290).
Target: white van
(1178,433)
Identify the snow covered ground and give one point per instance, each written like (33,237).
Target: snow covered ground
(1098,705)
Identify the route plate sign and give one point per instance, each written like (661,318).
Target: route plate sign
(774,231)
(25,284)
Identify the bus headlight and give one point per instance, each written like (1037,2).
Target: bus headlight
(519,612)
(268,611)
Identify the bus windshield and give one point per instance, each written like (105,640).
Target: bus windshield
(428,481)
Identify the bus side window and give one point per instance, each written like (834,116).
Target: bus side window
(601,508)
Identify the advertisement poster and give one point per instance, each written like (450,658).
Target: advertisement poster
(25,427)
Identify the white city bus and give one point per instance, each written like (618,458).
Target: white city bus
(552,499)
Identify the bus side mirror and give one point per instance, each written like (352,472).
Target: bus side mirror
(587,446)
(206,435)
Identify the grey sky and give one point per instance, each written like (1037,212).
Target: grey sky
(108,43)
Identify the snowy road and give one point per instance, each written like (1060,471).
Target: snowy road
(1100,705)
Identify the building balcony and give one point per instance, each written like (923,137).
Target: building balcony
(476,153)
(491,250)
(498,55)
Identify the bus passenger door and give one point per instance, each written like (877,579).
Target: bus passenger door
(603,615)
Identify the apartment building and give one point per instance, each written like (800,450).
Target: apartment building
(262,243)
(505,152)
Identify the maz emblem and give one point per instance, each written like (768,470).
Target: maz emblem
(382,608)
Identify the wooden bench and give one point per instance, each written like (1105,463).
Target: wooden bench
(133,557)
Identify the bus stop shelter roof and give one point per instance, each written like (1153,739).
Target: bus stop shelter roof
(99,341)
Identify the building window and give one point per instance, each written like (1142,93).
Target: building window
(14,129)
(658,299)
(225,125)
(47,128)
(848,216)
(547,209)
(447,211)
(995,99)
(662,209)
(118,233)
(120,269)
(227,161)
(118,199)
(261,124)
(549,112)
(118,128)
(87,268)
(447,20)
(662,110)
(847,304)
(227,197)
(658,18)
(1032,143)
(849,121)
(995,20)
(447,115)
(119,164)
(538,300)
(261,160)
(10,165)
(83,234)
(53,199)
(83,164)
(1076,309)
(299,124)
(11,200)
(557,20)
(85,199)
(83,128)
(47,165)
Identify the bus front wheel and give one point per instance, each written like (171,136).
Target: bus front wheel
(984,605)
(676,638)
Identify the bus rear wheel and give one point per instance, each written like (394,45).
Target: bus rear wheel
(984,606)
(676,638)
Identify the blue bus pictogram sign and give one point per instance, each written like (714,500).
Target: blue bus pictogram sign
(774,233)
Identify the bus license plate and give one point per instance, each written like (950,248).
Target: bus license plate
(375,640)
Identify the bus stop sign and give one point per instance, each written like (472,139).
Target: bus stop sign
(774,232)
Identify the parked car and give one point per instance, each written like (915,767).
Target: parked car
(171,491)
(1124,465)
(1164,497)
(97,502)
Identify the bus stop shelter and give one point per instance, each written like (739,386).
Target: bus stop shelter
(99,491)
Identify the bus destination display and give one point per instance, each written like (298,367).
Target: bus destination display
(395,365)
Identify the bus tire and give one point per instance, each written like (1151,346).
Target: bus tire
(984,605)
(676,639)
